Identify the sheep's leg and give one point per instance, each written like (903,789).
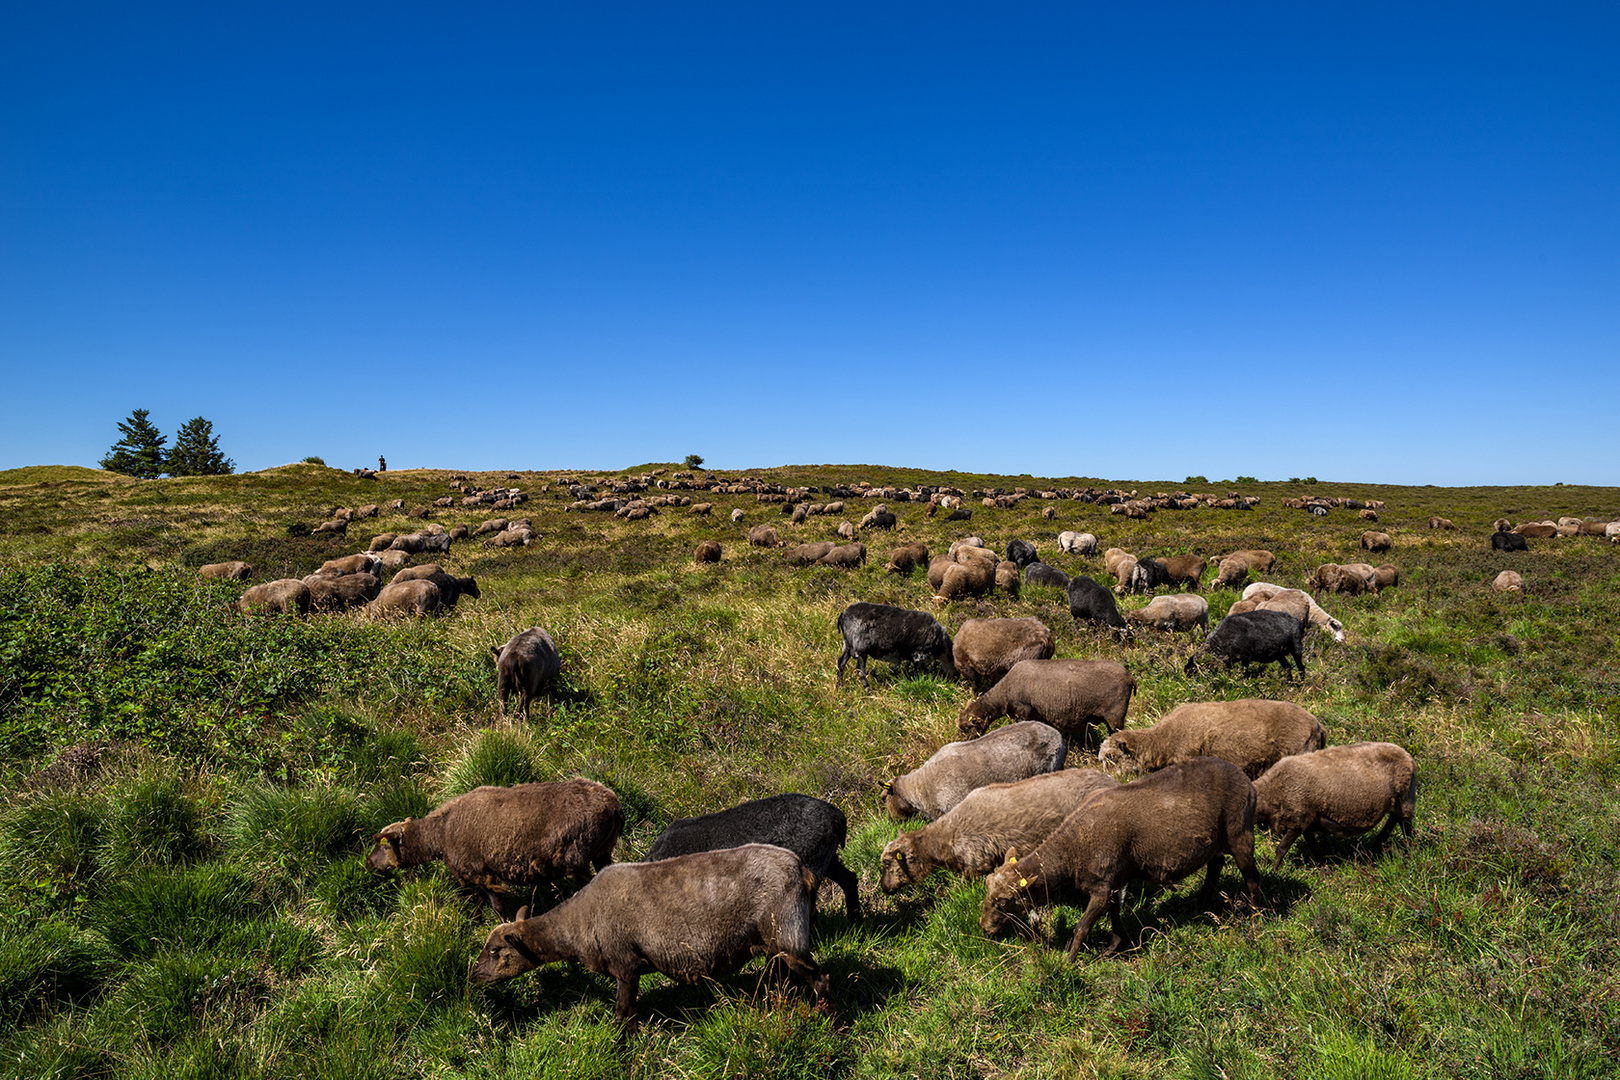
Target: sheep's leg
(811,972)
(1099,902)
(846,880)
(624,1002)
(843,658)
(1206,892)
(860,669)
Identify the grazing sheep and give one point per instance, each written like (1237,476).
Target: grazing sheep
(1021,552)
(1258,560)
(1124,573)
(895,635)
(1343,790)
(1252,733)
(904,559)
(936,570)
(1091,602)
(1147,575)
(1508,581)
(1160,828)
(1441,523)
(973,837)
(226,571)
(1070,695)
(812,829)
(984,650)
(878,518)
(1015,752)
(1502,525)
(1172,613)
(805,554)
(391,560)
(493,525)
(1008,580)
(342,593)
(1112,559)
(1038,573)
(1231,572)
(335,527)
(1183,570)
(1540,530)
(707,551)
(1358,577)
(1367,515)
(451,588)
(763,536)
(1376,541)
(286,596)
(1508,541)
(965,542)
(406,598)
(1386,576)
(1074,543)
(701,508)
(525,664)
(382,542)
(975,577)
(693,918)
(1297,603)
(493,838)
(1255,637)
(846,529)
(961,513)
(737,516)
(845,556)
(458,533)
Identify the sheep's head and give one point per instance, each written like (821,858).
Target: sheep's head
(898,806)
(968,722)
(900,866)
(385,856)
(507,953)
(1115,752)
(1006,895)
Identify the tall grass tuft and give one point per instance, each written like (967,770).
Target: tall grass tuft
(287,836)
(502,758)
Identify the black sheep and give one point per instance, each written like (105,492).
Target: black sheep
(1091,602)
(812,829)
(1038,573)
(1256,637)
(1021,552)
(1508,541)
(897,635)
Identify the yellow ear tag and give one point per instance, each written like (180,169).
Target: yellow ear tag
(1012,860)
(1023,883)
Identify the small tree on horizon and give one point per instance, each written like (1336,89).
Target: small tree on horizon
(140,452)
(196,451)
(694,461)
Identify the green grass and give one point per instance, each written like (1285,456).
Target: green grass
(194,901)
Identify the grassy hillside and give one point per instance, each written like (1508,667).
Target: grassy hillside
(191,898)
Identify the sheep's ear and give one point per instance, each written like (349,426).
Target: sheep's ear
(523,913)
(1012,856)
(898,833)
(496,649)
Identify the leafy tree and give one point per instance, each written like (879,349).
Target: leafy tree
(140,452)
(694,461)
(196,451)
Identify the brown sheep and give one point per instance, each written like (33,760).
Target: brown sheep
(1159,828)
(1376,541)
(382,542)
(493,525)
(1015,752)
(707,552)
(226,571)
(1358,577)
(1441,523)
(1295,602)
(763,536)
(1503,525)
(973,837)
(1252,733)
(936,570)
(701,508)
(1386,576)
(406,598)
(1124,570)
(1171,613)
(493,838)
(1540,530)
(342,593)
(1070,695)
(1258,560)
(905,559)
(845,556)
(286,596)
(805,554)
(525,665)
(1184,570)
(1508,581)
(351,564)
(1008,578)
(846,529)
(335,527)
(693,918)
(986,649)
(391,560)
(451,588)
(975,577)
(1231,572)
(1341,790)
(1367,515)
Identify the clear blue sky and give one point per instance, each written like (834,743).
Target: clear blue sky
(1361,242)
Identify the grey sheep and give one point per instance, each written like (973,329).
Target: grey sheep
(406,598)
(1171,613)
(973,837)
(1015,752)
(226,571)
(1252,733)
(1343,790)
(286,596)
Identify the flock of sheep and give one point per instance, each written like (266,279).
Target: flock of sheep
(714,891)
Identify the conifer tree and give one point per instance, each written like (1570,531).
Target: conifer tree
(140,452)
(196,451)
